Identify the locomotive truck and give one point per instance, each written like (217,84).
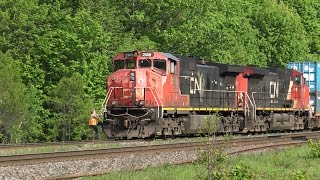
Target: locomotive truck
(160,94)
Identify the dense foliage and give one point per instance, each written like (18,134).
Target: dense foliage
(55,55)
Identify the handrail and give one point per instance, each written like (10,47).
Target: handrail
(106,99)
(277,95)
(151,88)
(246,94)
(254,102)
(155,96)
(253,106)
(161,104)
(103,106)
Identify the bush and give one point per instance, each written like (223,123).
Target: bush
(299,175)
(315,148)
(240,172)
(214,156)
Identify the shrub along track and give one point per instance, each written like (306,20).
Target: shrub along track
(128,154)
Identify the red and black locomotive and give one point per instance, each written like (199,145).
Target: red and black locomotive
(160,94)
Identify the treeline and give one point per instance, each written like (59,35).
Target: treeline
(55,54)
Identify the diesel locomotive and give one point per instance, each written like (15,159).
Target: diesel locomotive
(160,94)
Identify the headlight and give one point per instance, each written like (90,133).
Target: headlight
(141,103)
(114,102)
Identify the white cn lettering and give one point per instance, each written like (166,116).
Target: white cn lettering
(195,85)
(274,90)
(192,91)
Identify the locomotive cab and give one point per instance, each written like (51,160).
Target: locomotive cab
(144,79)
(134,80)
(141,85)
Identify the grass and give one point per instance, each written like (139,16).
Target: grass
(283,164)
(167,172)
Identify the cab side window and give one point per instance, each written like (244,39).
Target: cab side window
(172,67)
(297,80)
(160,64)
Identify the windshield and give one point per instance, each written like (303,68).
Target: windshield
(131,64)
(119,64)
(145,63)
(159,64)
(124,64)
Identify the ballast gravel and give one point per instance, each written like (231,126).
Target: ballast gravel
(106,164)
(103,164)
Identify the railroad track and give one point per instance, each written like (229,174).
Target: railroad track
(273,141)
(5,147)
(67,143)
(94,153)
(31,148)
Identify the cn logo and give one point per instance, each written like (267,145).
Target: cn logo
(274,91)
(197,84)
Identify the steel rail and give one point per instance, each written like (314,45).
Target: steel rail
(301,135)
(66,143)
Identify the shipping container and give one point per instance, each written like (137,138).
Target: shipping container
(311,71)
(315,104)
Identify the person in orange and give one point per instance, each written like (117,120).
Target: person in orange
(93,123)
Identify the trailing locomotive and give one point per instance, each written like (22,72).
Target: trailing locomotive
(160,94)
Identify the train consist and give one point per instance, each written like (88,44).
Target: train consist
(160,94)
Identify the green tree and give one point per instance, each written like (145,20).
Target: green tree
(22,23)
(282,37)
(219,30)
(70,108)
(51,40)
(34,129)
(74,43)
(15,107)
(310,17)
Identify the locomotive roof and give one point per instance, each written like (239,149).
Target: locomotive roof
(170,56)
(225,68)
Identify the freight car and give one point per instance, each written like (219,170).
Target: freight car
(161,94)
